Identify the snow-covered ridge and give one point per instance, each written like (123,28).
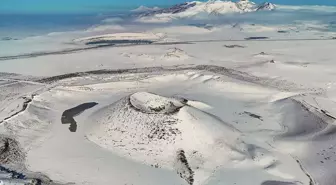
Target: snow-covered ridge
(216,7)
(145,9)
(120,38)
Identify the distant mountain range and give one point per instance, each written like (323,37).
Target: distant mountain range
(145,9)
(216,7)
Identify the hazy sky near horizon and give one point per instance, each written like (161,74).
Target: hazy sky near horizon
(54,6)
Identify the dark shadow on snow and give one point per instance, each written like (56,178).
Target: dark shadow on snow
(68,115)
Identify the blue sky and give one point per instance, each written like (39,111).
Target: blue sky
(80,6)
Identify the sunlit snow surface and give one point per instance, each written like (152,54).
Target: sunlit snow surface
(201,94)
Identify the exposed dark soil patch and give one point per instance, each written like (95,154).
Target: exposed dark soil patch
(262,53)
(234,46)
(183,168)
(113,42)
(256,38)
(278,183)
(282,31)
(252,115)
(68,115)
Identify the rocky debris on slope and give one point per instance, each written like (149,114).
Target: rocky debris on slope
(175,54)
(246,5)
(12,156)
(171,54)
(182,167)
(10,152)
(266,6)
(140,124)
(12,177)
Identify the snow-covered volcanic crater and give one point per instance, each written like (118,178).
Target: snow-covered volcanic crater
(157,130)
(196,125)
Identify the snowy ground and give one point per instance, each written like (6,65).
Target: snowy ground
(173,105)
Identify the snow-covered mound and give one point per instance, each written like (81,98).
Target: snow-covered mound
(165,133)
(194,8)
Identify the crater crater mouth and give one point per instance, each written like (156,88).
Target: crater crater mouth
(150,103)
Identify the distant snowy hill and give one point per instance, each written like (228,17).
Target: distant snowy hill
(266,6)
(217,7)
(142,9)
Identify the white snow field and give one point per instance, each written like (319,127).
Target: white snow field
(172,104)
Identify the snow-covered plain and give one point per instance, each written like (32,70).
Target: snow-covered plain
(198,103)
